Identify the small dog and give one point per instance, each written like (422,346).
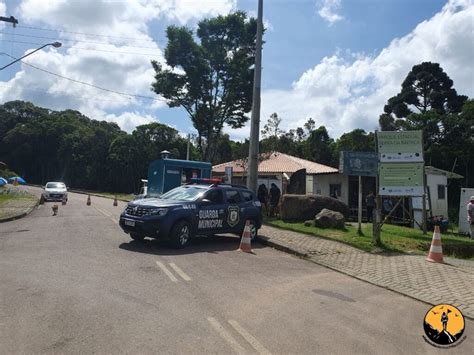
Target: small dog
(55,209)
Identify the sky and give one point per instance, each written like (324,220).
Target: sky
(336,61)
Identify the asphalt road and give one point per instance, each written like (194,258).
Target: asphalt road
(75,283)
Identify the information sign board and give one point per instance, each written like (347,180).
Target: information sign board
(406,146)
(358,163)
(402,179)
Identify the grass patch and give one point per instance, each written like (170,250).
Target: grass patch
(394,238)
(12,199)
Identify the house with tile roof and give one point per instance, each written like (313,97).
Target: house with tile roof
(319,179)
(278,168)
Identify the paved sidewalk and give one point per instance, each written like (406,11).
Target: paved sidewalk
(410,275)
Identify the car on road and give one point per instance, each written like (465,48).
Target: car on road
(202,207)
(54,191)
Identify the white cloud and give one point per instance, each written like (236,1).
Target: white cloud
(114,62)
(344,92)
(327,9)
(129,120)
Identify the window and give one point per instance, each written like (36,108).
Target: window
(215,196)
(334,190)
(184,193)
(441,192)
(247,195)
(232,196)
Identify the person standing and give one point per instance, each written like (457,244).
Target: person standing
(275,194)
(370,203)
(262,195)
(444,320)
(470,216)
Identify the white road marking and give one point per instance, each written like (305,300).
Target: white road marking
(167,272)
(249,337)
(180,272)
(226,335)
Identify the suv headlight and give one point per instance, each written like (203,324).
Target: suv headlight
(158,211)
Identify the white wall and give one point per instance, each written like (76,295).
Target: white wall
(309,184)
(439,207)
(321,184)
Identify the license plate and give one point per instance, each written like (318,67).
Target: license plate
(129,223)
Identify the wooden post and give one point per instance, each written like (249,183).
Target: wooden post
(376,222)
(359,212)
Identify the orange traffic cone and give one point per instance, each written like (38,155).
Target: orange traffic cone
(115,201)
(245,245)
(436,250)
(88,200)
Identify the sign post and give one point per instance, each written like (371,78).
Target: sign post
(358,164)
(401,169)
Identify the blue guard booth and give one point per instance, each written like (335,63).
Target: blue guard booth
(166,174)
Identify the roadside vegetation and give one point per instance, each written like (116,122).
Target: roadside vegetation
(12,200)
(394,238)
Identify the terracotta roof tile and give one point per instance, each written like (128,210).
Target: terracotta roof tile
(277,163)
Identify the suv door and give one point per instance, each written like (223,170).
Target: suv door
(211,213)
(233,200)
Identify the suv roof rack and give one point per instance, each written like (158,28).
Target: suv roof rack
(215,182)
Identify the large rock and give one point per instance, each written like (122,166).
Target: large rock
(300,208)
(329,219)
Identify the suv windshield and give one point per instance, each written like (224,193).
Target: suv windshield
(184,193)
(55,185)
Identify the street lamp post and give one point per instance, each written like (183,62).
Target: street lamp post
(54,44)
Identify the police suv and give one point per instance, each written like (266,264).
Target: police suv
(203,207)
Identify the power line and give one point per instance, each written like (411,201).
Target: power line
(88,84)
(84,49)
(86,34)
(70,40)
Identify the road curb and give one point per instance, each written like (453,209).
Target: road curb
(282,247)
(287,249)
(83,192)
(96,195)
(20,215)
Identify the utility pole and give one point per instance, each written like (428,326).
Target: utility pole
(187,147)
(255,118)
(10,19)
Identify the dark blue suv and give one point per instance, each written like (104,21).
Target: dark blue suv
(200,208)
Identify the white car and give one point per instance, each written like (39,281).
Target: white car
(54,191)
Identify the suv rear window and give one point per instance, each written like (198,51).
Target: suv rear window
(232,196)
(247,195)
(215,196)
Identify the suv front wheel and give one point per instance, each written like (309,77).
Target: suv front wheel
(180,234)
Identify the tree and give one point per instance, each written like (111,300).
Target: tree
(212,79)
(356,140)
(310,125)
(319,146)
(272,127)
(271,132)
(426,88)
